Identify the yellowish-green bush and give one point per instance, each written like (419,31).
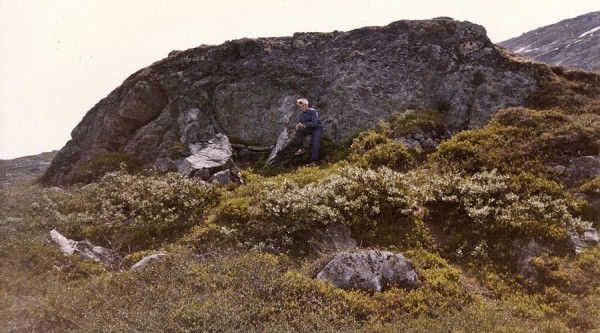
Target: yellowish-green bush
(133,212)
(210,237)
(591,210)
(372,150)
(591,188)
(232,221)
(132,258)
(363,200)
(519,139)
(366,141)
(235,212)
(482,214)
(572,275)
(506,148)
(411,122)
(305,175)
(568,289)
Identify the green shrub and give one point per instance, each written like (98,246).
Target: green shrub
(591,210)
(411,122)
(519,139)
(481,215)
(134,212)
(366,141)
(502,147)
(361,199)
(591,188)
(373,150)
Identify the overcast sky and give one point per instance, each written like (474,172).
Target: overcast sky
(58,58)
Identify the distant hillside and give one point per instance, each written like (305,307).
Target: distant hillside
(570,43)
(25,168)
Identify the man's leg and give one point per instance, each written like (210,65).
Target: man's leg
(300,136)
(316,144)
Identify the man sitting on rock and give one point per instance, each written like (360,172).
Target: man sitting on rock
(309,124)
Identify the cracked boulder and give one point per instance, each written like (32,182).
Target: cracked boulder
(85,250)
(212,162)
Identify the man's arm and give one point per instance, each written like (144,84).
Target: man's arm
(313,118)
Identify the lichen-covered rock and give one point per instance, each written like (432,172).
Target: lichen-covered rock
(212,162)
(370,270)
(525,251)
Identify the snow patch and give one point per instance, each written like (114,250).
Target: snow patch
(589,32)
(524,49)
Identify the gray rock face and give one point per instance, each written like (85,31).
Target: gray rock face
(370,270)
(246,89)
(570,43)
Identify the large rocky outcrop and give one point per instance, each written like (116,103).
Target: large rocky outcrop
(246,89)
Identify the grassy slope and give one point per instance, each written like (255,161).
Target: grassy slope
(243,259)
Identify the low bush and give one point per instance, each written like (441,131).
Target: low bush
(519,139)
(568,89)
(133,212)
(363,200)
(249,292)
(411,122)
(505,148)
(481,215)
(591,188)
(372,150)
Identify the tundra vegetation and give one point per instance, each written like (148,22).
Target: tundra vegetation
(244,259)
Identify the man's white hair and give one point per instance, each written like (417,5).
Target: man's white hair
(302,101)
